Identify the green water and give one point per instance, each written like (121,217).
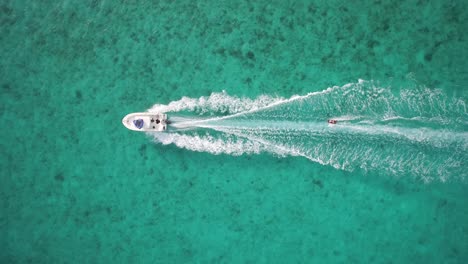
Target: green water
(78,187)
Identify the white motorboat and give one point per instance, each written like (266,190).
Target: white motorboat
(148,122)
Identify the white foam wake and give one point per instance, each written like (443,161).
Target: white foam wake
(211,144)
(420,131)
(215,103)
(224,103)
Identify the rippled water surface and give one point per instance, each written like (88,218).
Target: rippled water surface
(249,170)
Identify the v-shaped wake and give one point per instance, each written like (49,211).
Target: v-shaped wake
(420,132)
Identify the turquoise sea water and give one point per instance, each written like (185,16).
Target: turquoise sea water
(249,172)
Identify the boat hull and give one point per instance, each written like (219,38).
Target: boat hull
(147,122)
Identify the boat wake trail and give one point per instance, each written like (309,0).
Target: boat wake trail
(417,131)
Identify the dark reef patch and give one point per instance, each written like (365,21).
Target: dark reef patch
(318,183)
(59,177)
(78,95)
(250,55)
(428,57)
